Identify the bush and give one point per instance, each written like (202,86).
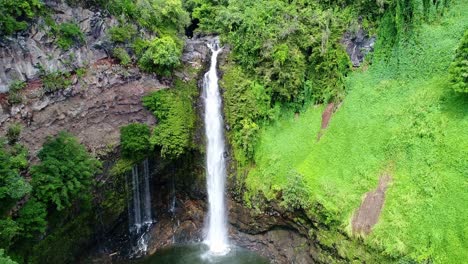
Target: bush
(122,55)
(14,95)
(54,81)
(161,56)
(15,14)
(65,173)
(176,118)
(68,35)
(4,259)
(135,141)
(122,34)
(458,69)
(13,133)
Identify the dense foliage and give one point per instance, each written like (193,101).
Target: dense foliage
(61,179)
(175,113)
(161,55)
(64,173)
(15,14)
(13,159)
(135,141)
(459,68)
(397,118)
(139,22)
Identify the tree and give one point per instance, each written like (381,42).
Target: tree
(32,218)
(161,56)
(64,173)
(459,68)
(12,185)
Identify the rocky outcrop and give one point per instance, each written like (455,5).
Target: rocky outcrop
(22,57)
(358,44)
(98,102)
(107,97)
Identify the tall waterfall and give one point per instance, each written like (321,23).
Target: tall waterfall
(139,209)
(216,237)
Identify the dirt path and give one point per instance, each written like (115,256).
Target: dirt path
(326,115)
(367,215)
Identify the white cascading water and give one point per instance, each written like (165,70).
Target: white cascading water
(216,238)
(140,218)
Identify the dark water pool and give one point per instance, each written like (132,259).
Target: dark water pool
(198,254)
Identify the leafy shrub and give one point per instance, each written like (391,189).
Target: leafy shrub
(161,56)
(14,95)
(122,34)
(122,55)
(65,172)
(13,133)
(176,118)
(4,259)
(459,67)
(15,14)
(69,34)
(295,192)
(135,141)
(54,81)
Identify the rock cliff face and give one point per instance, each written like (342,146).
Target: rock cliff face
(21,57)
(101,99)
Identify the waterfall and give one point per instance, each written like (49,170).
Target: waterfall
(139,209)
(216,238)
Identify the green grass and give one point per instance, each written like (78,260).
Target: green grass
(399,117)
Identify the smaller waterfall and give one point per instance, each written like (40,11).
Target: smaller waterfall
(139,209)
(172,207)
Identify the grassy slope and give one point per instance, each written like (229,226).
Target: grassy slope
(399,117)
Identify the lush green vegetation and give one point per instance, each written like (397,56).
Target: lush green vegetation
(176,118)
(161,55)
(135,141)
(399,117)
(59,190)
(17,13)
(68,35)
(165,19)
(459,68)
(14,92)
(65,172)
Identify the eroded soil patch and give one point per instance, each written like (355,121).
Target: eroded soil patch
(367,215)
